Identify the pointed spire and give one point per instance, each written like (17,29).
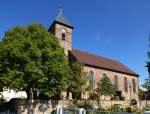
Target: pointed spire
(60,13)
(62,19)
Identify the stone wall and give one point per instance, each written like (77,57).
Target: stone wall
(53,104)
(57,30)
(98,73)
(145,103)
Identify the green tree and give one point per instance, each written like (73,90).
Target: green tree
(140,93)
(105,87)
(78,80)
(147,84)
(31,57)
(147,81)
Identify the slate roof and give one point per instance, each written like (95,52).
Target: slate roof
(101,62)
(62,19)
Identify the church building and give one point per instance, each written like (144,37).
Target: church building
(125,80)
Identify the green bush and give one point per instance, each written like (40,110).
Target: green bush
(93,95)
(85,104)
(131,109)
(116,108)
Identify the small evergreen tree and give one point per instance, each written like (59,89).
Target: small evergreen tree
(141,93)
(147,81)
(78,80)
(147,84)
(105,87)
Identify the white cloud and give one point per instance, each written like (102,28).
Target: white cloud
(98,37)
(106,40)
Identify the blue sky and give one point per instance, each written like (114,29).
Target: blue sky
(116,29)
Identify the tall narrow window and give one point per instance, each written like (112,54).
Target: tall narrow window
(91,79)
(134,85)
(63,35)
(116,83)
(125,84)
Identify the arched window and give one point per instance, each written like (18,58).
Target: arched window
(91,79)
(134,85)
(63,35)
(125,84)
(104,75)
(116,83)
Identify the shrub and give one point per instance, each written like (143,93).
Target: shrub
(93,95)
(117,108)
(85,104)
(131,109)
(133,102)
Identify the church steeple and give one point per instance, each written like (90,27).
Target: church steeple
(62,19)
(62,29)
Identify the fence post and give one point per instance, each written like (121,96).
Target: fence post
(81,111)
(59,110)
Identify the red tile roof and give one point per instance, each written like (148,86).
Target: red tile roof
(101,62)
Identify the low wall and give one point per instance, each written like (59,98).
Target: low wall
(108,104)
(145,103)
(52,105)
(37,106)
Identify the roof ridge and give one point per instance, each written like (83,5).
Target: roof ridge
(101,61)
(97,55)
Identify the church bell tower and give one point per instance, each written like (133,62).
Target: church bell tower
(62,29)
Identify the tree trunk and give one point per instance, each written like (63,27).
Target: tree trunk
(99,101)
(29,101)
(28,94)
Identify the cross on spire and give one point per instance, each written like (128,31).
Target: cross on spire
(61,10)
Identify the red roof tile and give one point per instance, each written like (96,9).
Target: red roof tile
(101,62)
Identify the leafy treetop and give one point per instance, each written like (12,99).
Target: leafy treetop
(105,87)
(78,80)
(30,57)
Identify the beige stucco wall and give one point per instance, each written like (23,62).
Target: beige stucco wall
(98,73)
